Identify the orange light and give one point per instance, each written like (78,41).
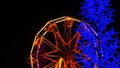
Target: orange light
(37,41)
(61,63)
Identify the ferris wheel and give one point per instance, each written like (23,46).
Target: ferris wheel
(57,45)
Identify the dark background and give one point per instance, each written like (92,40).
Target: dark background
(32,15)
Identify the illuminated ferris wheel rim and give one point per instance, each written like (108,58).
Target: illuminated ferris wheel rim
(57,20)
(64,18)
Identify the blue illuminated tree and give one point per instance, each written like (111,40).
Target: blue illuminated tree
(99,15)
(97,12)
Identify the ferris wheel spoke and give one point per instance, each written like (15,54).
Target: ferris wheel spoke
(77,64)
(60,38)
(52,46)
(49,58)
(50,65)
(73,39)
(76,44)
(50,52)
(52,55)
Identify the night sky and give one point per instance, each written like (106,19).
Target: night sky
(32,15)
